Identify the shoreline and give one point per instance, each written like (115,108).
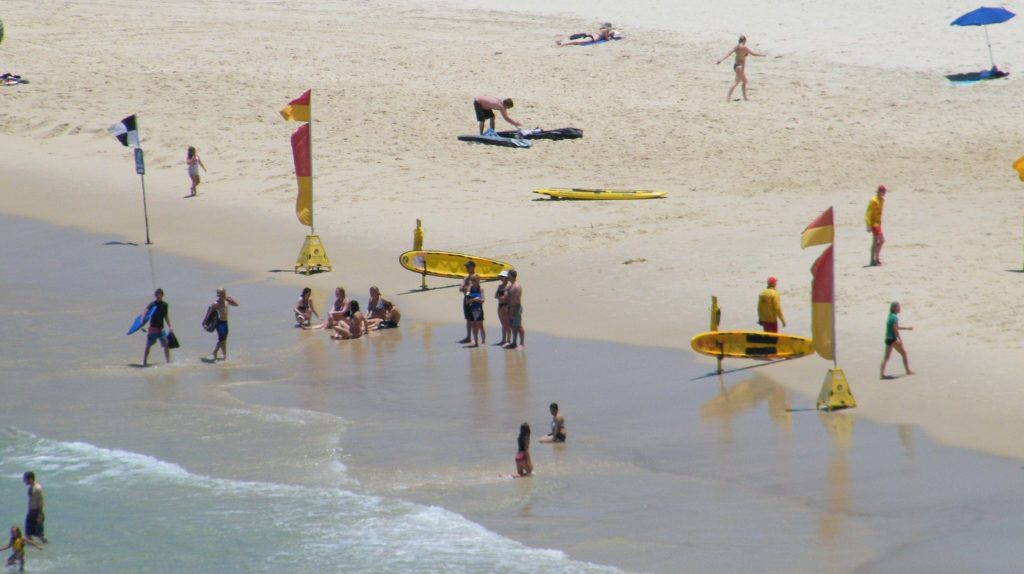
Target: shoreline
(744,179)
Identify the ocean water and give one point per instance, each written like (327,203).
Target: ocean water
(161,469)
(393,454)
(119,511)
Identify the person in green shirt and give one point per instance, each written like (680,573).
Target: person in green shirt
(893,339)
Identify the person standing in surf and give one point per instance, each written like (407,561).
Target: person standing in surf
(464,289)
(194,163)
(524,466)
(17,546)
(739,66)
(219,309)
(514,299)
(499,296)
(35,517)
(155,332)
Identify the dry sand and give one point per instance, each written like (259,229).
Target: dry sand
(392,86)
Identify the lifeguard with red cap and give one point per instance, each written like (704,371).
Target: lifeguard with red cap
(769,308)
(873,221)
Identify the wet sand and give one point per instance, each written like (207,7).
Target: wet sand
(667,468)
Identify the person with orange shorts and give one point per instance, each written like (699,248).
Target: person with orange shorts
(873,221)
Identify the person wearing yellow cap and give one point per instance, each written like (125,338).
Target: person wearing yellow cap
(873,221)
(769,308)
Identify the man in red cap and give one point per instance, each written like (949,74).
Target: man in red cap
(873,220)
(769,308)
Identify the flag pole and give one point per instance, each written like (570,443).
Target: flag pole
(141,169)
(312,229)
(835,360)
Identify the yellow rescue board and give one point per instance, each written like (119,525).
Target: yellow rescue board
(751,345)
(577,193)
(449,264)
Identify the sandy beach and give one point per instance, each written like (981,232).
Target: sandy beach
(393,84)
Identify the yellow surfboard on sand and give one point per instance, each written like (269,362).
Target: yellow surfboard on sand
(450,264)
(579,193)
(751,345)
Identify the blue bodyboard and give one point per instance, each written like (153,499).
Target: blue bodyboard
(141,320)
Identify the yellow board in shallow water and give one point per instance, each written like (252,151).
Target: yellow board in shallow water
(449,264)
(751,345)
(578,193)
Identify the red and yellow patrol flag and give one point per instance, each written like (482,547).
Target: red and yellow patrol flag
(303,173)
(820,231)
(1019,166)
(297,110)
(823,305)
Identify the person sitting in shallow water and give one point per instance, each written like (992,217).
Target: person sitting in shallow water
(304,309)
(382,314)
(605,32)
(353,326)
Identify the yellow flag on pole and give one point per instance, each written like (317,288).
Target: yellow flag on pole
(297,110)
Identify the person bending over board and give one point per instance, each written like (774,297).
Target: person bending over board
(557,433)
(485,106)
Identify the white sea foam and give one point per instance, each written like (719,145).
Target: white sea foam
(157,509)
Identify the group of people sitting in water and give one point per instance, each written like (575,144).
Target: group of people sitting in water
(345,320)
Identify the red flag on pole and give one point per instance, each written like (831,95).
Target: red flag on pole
(304,175)
(823,305)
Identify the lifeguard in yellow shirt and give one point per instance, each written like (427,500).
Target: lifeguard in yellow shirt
(873,220)
(769,308)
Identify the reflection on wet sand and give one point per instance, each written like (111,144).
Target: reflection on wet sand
(837,476)
(744,396)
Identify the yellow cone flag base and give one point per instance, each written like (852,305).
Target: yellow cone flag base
(313,256)
(835,392)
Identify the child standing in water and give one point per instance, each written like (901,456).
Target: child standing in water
(524,466)
(17,546)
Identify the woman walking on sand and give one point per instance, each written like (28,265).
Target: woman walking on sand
(194,163)
(739,66)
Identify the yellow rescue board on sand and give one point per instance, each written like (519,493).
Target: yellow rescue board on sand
(449,264)
(751,345)
(577,193)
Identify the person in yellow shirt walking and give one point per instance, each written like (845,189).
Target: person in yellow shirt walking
(873,221)
(769,308)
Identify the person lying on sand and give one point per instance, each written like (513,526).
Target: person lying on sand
(605,32)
